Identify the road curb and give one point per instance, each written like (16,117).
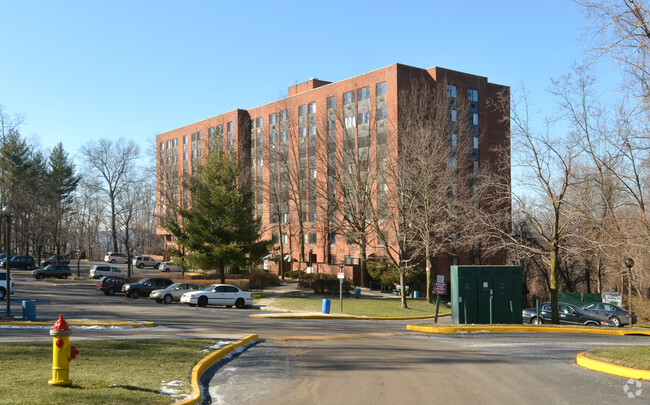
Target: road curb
(613,369)
(207,362)
(516,328)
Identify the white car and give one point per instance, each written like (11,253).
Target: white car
(169,266)
(100,271)
(3,284)
(114,257)
(145,261)
(218,294)
(173,293)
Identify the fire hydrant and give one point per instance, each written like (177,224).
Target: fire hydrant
(62,353)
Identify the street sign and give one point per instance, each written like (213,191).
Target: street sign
(341,276)
(440,288)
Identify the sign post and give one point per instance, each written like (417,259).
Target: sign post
(341,276)
(440,288)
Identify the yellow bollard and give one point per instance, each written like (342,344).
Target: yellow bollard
(62,354)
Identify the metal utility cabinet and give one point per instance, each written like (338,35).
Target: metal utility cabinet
(486,294)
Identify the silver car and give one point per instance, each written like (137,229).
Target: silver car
(173,292)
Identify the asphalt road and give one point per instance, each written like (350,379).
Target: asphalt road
(299,361)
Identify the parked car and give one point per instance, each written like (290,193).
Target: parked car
(3,284)
(169,266)
(18,262)
(145,286)
(145,261)
(173,293)
(569,314)
(218,294)
(619,316)
(63,259)
(110,285)
(115,257)
(52,270)
(100,271)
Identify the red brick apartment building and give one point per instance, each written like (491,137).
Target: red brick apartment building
(283,147)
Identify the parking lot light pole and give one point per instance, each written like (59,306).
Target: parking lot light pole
(629,263)
(8,212)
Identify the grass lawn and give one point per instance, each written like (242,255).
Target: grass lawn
(364,306)
(104,372)
(632,356)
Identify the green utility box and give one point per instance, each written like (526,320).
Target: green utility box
(486,294)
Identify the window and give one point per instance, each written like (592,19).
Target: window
(474,118)
(331,102)
(475,142)
(312,129)
(284,136)
(283,115)
(302,110)
(348,98)
(350,121)
(229,127)
(273,118)
(363,118)
(312,238)
(312,108)
(331,126)
(381,89)
(454,139)
(303,132)
(258,122)
(363,93)
(454,115)
(451,90)
(472,94)
(381,113)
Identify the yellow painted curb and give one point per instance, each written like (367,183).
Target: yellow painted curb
(207,362)
(518,328)
(613,369)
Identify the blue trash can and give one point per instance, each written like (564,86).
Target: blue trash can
(357,293)
(416,294)
(326,306)
(29,310)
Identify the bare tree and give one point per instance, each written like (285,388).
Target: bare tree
(432,176)
(621,29)
(114,163)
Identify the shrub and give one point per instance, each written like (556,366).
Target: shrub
(383,273)
(263,279)
(325,286)
(295,274)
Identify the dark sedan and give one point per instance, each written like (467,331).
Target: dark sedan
(619,316)
(145,286)
(569,315)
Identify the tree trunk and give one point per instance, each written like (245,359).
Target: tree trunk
(402,281)
(429,274)
(554,277)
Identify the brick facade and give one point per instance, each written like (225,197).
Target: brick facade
(308,120)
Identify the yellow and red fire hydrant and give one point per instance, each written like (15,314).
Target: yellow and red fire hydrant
(62,353)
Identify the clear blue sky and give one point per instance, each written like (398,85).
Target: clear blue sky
(81,70)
